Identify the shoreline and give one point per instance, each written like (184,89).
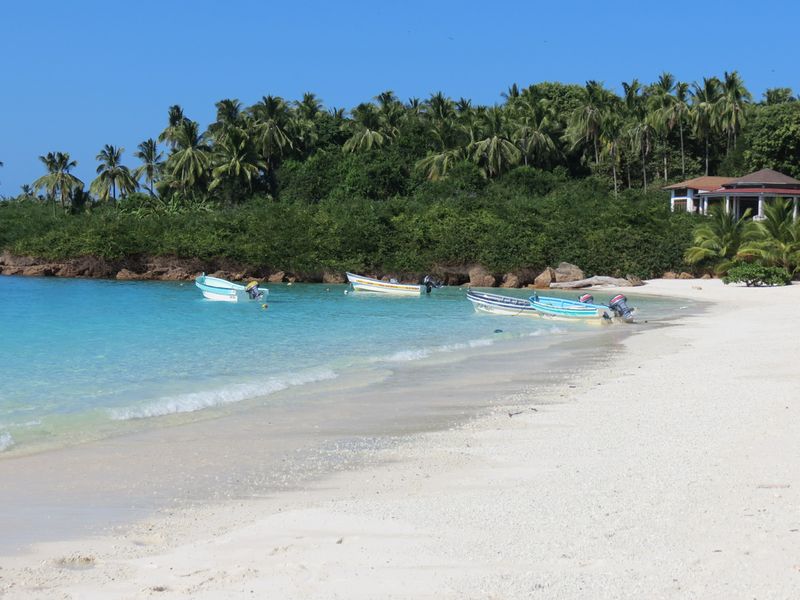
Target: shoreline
(668,473)
(267,445)
(173,268)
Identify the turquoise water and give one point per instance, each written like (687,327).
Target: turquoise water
(84,358)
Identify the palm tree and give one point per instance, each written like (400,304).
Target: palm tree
(611,135)
(495,152)
(112,174)
(719,238)
(532,125)
(271,135)
(659,101)
(435,166)
(174,119)
(152,164)
(511,93)
(190,161)
(229,114)
(704,111)
(732,106)
(776,239)
(310,107)
(585,121)
(58,181)
(367,129)
(639,131)
(235,161)
(674,111)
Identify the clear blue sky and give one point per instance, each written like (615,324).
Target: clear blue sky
(77,75)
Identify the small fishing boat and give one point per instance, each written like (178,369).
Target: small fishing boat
(393,287)
(221,290)
(495,304)
(562,308)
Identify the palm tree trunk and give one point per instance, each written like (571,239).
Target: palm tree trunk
(683,157)
(614,171)
(706,157)
(628,172)
(644,170)
(596,152)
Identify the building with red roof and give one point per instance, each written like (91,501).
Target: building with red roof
(737,194)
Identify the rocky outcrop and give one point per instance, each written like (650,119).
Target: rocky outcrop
(634,280)
(510,280)
(127,275)
(669,275)
(277,277)
(685,275)
(11,260)
(330,277)
(568,272)
(88,266)
(545,278)
(480,277)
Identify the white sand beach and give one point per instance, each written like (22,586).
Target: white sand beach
(670,471)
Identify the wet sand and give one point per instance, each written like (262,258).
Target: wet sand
(665,469)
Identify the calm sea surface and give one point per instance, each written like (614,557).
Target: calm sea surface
(82,359)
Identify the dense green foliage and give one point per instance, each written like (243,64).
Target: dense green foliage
(528,218)
(554,172)
(723,241)
(754,274)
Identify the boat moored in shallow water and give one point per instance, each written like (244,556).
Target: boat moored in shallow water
(497,304)
(392,287)
(584,308)
(222,290)
(562,308)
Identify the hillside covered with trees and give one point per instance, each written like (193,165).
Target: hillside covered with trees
(553,172)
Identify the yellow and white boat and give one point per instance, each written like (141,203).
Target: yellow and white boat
(368,284)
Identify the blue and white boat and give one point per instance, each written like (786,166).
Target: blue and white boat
(495,304)
(221,290)
(561,308)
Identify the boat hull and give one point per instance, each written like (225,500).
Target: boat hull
(376,286)
(496,304)
(560,308)
(220,290)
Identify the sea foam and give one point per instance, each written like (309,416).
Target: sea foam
(194,401)
(6,441)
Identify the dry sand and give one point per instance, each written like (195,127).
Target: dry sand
(671,473)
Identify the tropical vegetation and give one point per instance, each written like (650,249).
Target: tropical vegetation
(543,175)
(724,243)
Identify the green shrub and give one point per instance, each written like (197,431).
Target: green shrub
(754,274)
(528,219)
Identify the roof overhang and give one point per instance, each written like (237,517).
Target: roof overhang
(770,192)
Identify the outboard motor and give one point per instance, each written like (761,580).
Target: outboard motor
(586,299)
(253,291)
(430,283)
(619,304)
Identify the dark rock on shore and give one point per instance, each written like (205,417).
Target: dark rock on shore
(566,272)
(480,277)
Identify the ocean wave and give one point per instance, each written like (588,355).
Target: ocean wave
(406,355)
(194,401)
(420,353)
(6,441)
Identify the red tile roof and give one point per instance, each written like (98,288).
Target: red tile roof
(763,177)
(700,183)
